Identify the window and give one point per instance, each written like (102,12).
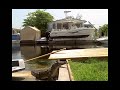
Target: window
(53,25)
(65,26)
(59,25)
(78,25)
(15,63)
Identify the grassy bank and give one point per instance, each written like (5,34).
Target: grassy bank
(92,69)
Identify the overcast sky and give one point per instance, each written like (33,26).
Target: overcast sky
(98,17)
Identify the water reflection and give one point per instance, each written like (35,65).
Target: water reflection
(29,52)
(39,64)
(71,47)
(16,52)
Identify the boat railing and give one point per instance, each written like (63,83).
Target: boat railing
(59,29)
(71,28)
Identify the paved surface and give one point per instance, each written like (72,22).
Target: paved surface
(23,76)
(26,75)
(63,73)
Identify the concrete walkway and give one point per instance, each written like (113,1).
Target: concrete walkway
(23,76)
(63,73)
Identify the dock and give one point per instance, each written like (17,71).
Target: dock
(71,42)
(80,53)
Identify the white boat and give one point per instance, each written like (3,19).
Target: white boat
(70,27)
(16,38)
(15,41)
(18,65)
(103,40)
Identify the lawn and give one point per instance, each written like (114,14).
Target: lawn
(92,69)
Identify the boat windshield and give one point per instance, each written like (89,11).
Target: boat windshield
(67,25)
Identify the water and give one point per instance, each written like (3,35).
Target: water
(31,51)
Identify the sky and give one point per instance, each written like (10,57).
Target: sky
(98,17)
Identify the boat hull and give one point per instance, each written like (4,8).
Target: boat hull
(103,41)
(73,33)
(18,65)
(16,41)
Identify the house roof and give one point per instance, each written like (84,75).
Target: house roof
(33,28)
(15,29)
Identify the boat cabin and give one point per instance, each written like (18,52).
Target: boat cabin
(67,24)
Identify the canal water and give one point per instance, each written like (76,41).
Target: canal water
(30,51)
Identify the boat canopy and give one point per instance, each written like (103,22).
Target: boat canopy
(70,20)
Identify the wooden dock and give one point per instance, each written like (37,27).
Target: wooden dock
(80,53)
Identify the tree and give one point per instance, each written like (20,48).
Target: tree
(38,19)
(103,30)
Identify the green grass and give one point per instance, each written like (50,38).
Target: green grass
(92,69)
